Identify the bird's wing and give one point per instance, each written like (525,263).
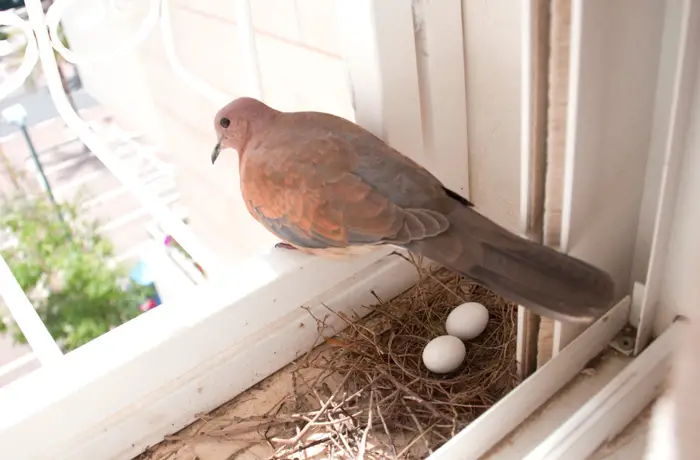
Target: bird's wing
(321,189)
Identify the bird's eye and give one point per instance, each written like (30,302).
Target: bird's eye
(225,122)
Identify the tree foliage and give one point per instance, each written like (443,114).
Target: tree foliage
(66,268)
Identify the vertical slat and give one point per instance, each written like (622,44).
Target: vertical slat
(379,50)
(611,104)
(441,69)
(686,64)
(560,44)
(550,330)
(533,156)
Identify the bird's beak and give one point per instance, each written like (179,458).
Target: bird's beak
(217,150)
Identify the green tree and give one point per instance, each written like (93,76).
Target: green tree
(66,268)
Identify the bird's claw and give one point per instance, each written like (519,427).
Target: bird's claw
(283,245)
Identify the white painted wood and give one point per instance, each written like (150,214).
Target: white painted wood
(492,59)
(630,444)
(535,429)
(482,434)
(533,136)
(535,44)
(663,106)
(611,102)
(558,99)
(379,50)
(18,363)
(661,431)
(684,49)
(210,345)
(638,290)
(440,61)
(557,115)
(613,408)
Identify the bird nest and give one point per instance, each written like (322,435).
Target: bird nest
(365,393)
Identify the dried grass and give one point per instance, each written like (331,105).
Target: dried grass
(365,392)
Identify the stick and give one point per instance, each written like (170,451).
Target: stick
(415,440)
(318,415)
(363,443)
(386,430)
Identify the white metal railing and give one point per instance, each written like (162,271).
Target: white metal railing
(21,309)
(41,31)
(31,56)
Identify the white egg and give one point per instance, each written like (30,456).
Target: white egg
(444,354)
(467,321)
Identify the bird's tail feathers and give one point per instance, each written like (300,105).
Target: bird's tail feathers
(549,282)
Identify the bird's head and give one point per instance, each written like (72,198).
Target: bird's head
(236,122)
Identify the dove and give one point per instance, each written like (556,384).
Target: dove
(326,186)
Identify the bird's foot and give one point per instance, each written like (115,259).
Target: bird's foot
(283,245)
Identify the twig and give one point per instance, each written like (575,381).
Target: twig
(363,443)
(415,440)
(411,393)
(386,430)
(318,415)
(304,447)
(419,427)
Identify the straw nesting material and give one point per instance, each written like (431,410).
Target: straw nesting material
(365,392)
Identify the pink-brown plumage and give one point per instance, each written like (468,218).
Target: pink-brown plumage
(326,185)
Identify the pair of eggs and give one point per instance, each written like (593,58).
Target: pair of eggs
(446,353)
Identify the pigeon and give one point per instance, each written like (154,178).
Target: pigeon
(326,186)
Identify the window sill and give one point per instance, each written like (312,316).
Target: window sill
(186,357)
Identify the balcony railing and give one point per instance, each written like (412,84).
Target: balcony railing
(41,34)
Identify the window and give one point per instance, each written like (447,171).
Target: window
(146,378)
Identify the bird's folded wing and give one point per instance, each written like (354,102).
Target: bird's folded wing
(309,192)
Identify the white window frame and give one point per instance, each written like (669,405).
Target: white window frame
(125,390)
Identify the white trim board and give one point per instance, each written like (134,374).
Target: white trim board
(547,419)
(614,407)
(614,61)
(684,57)
(218,380)
(485,432)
